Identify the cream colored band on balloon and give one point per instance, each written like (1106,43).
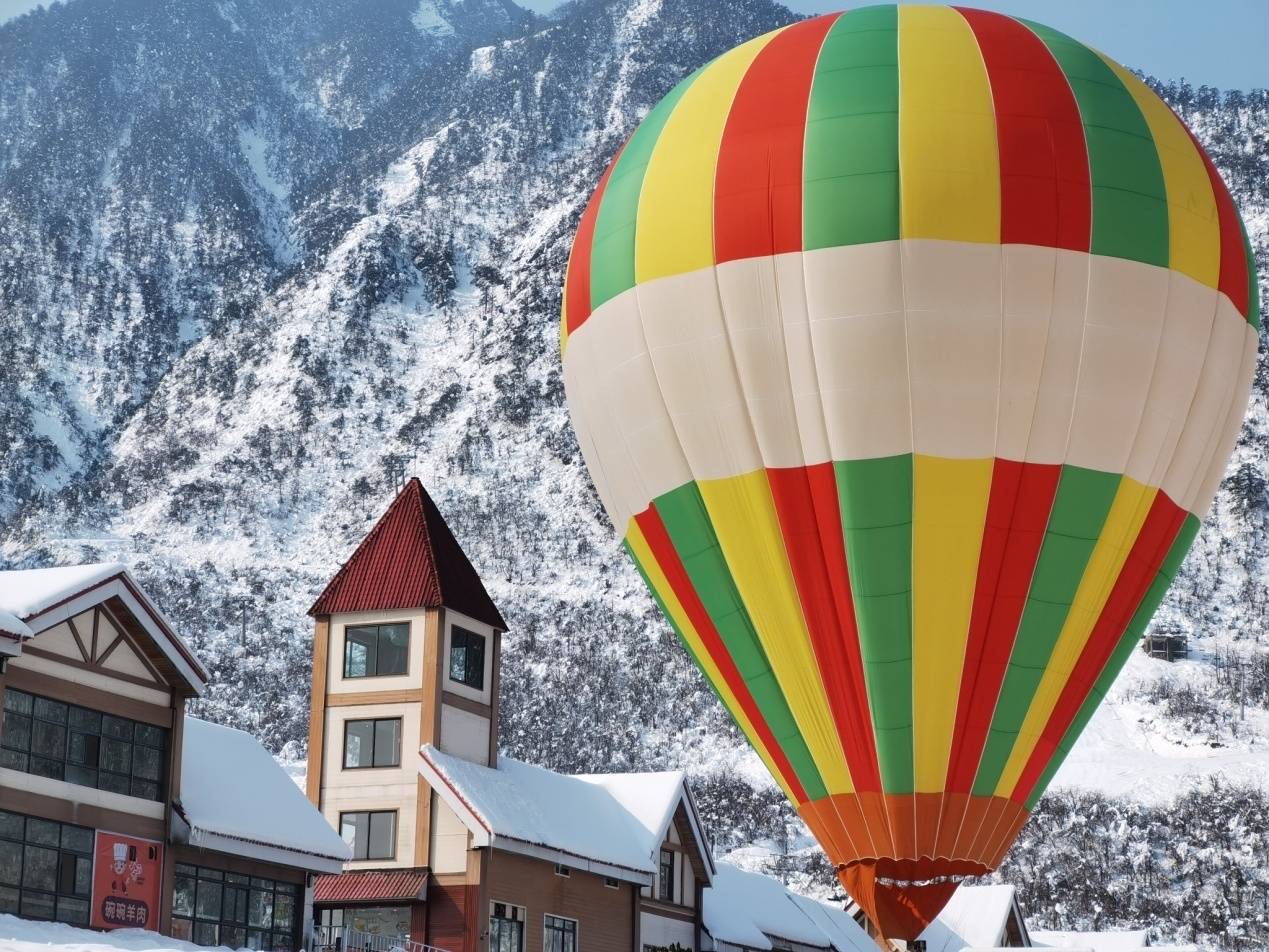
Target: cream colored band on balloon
(948,349)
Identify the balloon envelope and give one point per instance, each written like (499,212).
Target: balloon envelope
(906,348)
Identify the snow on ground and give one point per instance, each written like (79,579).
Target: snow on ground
(24,935)
(1128,750)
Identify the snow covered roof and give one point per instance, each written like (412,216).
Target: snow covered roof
(37,599)
(1130,941)
(237,799)
(975,917)
(611,824)
(749,909)
(653,799)
(12,629)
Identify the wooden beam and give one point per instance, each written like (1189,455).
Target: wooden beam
(317,709)
(429,721)
(406,696)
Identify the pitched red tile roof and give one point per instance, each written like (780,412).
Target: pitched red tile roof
(370,886)
(410,559)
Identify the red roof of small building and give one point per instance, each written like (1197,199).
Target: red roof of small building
(410,559)
(370,886)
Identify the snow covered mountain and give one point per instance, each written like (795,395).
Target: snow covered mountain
(258,255)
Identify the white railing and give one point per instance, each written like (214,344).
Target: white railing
(348,939)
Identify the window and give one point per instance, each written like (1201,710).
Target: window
(665,879)
(213,907)
(46,869)
(611,883)
(371,834)
(372,743)
(65,742)
(375,651)
(506,927)
(562,870)
(467,658)
(559,934)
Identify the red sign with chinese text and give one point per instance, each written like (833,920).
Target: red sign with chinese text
(127,878)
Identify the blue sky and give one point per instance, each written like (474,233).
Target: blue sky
(1221,43)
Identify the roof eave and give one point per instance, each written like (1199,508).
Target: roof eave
(265,852)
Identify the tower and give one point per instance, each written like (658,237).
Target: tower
(406,652)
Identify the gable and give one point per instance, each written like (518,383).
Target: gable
(96,640)
(680,833)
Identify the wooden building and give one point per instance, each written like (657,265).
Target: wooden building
(115,808)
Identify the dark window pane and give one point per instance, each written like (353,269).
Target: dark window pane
(235,937)
(48,710)
(73,911)
(283,911)
(82,719)
(150,735)
(359,652)
(183,896)
(206,873)
(77,838)
(467,657)
(18,701)
(115,783)
(206,933)
(116,756)
(53,769)
(48,740)
(14,760)
(146,763)
(282,942)
(66,873)
(37,905)
(353,827)
(83,876)
(394,644)
(39,868)
(43,832)
(208,903)
(9,900)
(119,728)
(382,836)
(182,929)
(10,862)
(84,776)
(257,940)
(358,743)
(17,732)
(145,789)
(84,749)
(235,904)
(260,908)
(387,743)
(236,878)
(11,825)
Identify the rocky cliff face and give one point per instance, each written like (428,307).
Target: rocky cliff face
(259,254)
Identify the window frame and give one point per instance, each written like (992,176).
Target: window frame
(377,626)
(547,929)
(665,875)
(519,916)
(247,885)
(468,637)
(63,852)
(91,727)
(368,814)
(374,743)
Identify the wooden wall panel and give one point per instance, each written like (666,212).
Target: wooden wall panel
(317,709)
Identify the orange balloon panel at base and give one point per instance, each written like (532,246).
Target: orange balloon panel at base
(900,909)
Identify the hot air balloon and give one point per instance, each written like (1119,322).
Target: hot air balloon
(906,348)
